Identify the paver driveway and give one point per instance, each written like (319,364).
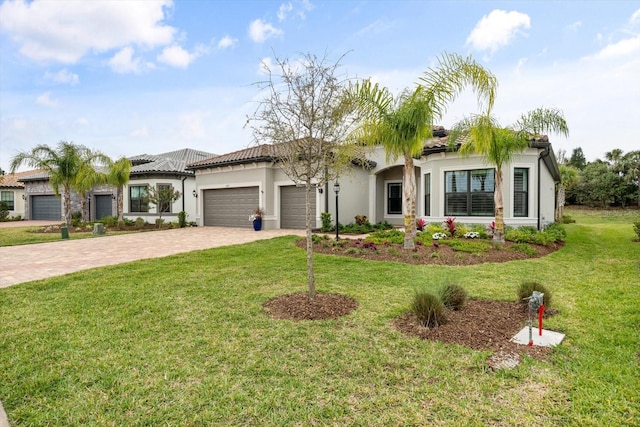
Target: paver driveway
(25,263)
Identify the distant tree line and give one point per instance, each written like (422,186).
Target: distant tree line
(612,182)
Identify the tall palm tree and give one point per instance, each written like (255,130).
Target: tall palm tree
(403,124)
(118,175)
(62,164)
(482,134)
(89,176)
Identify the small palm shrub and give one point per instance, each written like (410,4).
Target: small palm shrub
(325,217)
(526,289)
(182,219)
(453,296)
(428,309)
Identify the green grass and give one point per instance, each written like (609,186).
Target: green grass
(183,340)
(12,236)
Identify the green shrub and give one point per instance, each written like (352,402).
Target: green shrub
(541,238)
(453,296)
(76,218)
(481,230)
(361,220)
(428,309)
(140,222)
(433,228)
(567,219)
(4,210)
(556,232)
(128,221)
(382,226)
(636,229)
(109,221)
(524,248)
(325,217)
(182,219)
(391,236)
(526,289)
(469,246)
(461,229)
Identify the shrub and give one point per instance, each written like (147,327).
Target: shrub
(453,296)
(526,289)
(450,223)
(386,225)
(567,219)
(556,232)
(109,221)
(325,217)
(4,211)
(524,248)
(76,218)
(361,220)
(140,222)
(481,230)
(391,236)
(182,219)
(428,309)
(461,230)
(636,228)
(472,247)
(432,229)
(420,224)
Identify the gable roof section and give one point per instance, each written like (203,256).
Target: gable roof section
(259,153)
(174,162)
(20,177)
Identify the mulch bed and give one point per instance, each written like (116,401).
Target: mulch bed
(427,254)
(300,307)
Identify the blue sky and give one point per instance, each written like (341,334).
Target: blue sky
(134,77)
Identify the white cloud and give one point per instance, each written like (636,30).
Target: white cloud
(260,31)
(635,17)
(226,42)
(497,29)
(284,9)
(46,101)
(82,121)
(192,125)
(575,26)
(622,48)
(65,31)
(63,76)
(176,56)
(520,66)
(142,132)
(123,62)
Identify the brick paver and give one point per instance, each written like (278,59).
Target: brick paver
(25,263)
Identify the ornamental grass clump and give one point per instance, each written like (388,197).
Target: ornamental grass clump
(525,290)
(453,296)
(429,310)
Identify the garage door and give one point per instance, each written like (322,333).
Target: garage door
(292,207)
(230,207)
(104,206)
(46,208)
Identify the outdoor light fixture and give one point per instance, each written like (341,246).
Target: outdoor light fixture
(24,197)
(195,194)
(336,188)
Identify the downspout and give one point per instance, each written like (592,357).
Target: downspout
(183,196)
(545,153)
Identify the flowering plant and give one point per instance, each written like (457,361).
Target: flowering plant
(257,214)
(491,227)
(438,236)
(451,224)
(472,235)
(420,224)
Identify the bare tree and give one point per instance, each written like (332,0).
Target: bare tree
(162,197)
(307,117)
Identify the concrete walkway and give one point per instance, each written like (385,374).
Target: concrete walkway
(19,264)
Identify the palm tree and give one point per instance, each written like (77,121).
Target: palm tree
(118,175)
(483,135)
(403,124)
(62,164)
(89,176)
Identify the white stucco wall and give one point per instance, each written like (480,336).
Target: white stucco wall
(185,202)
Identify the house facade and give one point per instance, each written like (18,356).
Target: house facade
(230,186)
(166,169)
(13,194)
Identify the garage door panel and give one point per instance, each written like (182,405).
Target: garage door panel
(293,207)
(47,207)
(230,207)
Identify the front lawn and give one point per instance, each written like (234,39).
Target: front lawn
(184,340)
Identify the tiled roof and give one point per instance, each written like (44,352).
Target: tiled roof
(440,141)
(171,162)
(19,177)
(264,153)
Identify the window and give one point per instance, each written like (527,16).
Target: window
(164,192)
(469,193)
(7,197)
(138,198)
(521,192)
(427,195)
(394,198)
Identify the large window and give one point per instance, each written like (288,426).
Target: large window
(7,197)
(427,195)
(165,191)
(521,192)
(138,201)
(469,193)
(394,198)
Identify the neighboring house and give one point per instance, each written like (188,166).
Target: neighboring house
(166,169)
(147,170)
(12,192)
(230,186)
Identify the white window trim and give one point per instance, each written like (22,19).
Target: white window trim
(530,190)
(386,199)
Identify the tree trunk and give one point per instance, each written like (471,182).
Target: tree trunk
(562,197)
(83,207)
(311,279)
(409,202)
(120,207)
(498,234)
(66,197)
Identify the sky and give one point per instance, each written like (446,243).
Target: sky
(148,77)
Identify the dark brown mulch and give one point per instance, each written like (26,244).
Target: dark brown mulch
(88,229)
(481,325)
(427,254)
(300,307)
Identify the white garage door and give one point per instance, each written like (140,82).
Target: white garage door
(292,207)
(230,207)
(46,208)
